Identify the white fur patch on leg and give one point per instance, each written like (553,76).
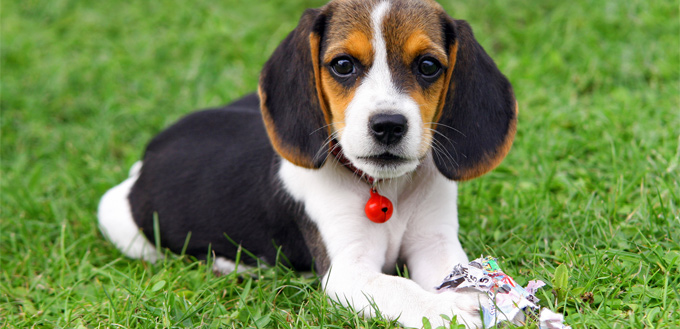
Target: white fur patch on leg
(117,224)
(226,266)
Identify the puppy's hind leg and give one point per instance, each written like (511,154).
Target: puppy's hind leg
(117,224)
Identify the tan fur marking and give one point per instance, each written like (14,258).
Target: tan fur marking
(419,43)
(448,87)
(357,45)
(338,99)
(314,40)
(428,103)
(409,34)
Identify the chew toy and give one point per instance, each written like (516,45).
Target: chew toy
(508,301)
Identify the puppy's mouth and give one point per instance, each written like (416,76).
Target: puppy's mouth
(384,159)
(386,165)
(378,166)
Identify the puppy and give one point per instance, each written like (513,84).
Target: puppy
(386,98)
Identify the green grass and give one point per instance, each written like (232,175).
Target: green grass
(592,181)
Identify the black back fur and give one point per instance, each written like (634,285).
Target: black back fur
(214,173)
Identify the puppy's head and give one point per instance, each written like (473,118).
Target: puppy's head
(390,82)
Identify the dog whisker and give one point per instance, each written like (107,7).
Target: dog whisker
(443,153)
(438,146)
(324,147)
(445,126)
(324,126)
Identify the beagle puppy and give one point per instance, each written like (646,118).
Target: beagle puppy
(386,98)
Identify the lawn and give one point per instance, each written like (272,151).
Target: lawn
(592,182)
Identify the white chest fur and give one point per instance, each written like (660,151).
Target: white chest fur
(423,232)
(334,198)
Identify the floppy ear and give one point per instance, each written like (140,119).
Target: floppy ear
(295,118)
(478,119)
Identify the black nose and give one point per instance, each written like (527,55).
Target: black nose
(388,128)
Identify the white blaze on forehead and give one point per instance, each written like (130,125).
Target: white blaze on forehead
(380,71)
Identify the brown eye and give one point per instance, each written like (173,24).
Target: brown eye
(429,67)
(343,66)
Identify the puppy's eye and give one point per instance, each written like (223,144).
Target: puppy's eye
(342,66)
(429,67)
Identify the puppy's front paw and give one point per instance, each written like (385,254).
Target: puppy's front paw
(465,305)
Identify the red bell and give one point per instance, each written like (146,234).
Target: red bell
(378,208)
